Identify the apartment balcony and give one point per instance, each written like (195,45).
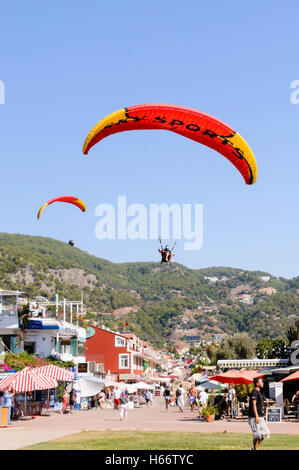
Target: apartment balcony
(68,329)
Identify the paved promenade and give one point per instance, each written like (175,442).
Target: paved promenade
(45,428)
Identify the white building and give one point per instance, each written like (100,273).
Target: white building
(9,321)
(43,336)
(265,278)
(246,299)
(50,337)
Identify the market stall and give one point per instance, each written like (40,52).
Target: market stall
(27,382)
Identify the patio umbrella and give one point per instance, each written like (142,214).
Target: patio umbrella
(210,385)
(294,376)
(251,374)
(130,387)
(232,377)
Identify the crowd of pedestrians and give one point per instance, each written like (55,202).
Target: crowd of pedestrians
(198,399)
(121,400)
(178,396)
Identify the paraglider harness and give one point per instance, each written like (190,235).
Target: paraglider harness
(166,254)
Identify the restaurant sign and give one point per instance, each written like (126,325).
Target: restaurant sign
(34,325)
(273,415)
(127,376)
(82,367)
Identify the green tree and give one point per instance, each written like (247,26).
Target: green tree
(269,348)
(24,314)
(243,391)
(292,332)
(238,346)
(211,351)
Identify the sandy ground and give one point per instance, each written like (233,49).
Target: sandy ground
(45,428)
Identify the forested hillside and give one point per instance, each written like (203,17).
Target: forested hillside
(159,303)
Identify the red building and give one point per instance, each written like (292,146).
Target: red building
(123,354)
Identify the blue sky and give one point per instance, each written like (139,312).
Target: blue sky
(66,64)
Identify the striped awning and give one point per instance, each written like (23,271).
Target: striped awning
(55,372)
(26,380)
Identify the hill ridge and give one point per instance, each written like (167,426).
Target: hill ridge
(161,304)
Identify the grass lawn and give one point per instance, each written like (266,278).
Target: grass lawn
(142,440)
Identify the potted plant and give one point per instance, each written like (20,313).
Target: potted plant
(210,412)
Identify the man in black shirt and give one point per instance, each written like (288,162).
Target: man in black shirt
(256,413)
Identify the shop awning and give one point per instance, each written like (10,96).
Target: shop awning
(143,386)
(90,386)
(55,372)
(27,381)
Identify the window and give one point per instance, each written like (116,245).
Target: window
(29,347)
(124,361)
(120,342)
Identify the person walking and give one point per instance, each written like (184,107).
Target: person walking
(221,402)
(65,401)
(231,395)
(192,397)
(116,395)
(172,398)
(101,398)
(123,406)
(202,402)
(7,401)
(180,399)
(72,398)
(256,414)
(148,397)
(167,397)
(109,399)
(95,400)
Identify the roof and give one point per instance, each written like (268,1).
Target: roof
(107,331)
(18,293)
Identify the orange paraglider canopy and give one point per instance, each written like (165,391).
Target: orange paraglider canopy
(187,122)
(69,199)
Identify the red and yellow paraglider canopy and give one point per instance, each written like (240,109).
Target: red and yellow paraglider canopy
(187,122)
(69,199)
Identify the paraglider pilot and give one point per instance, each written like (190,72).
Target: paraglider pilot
(166,254)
